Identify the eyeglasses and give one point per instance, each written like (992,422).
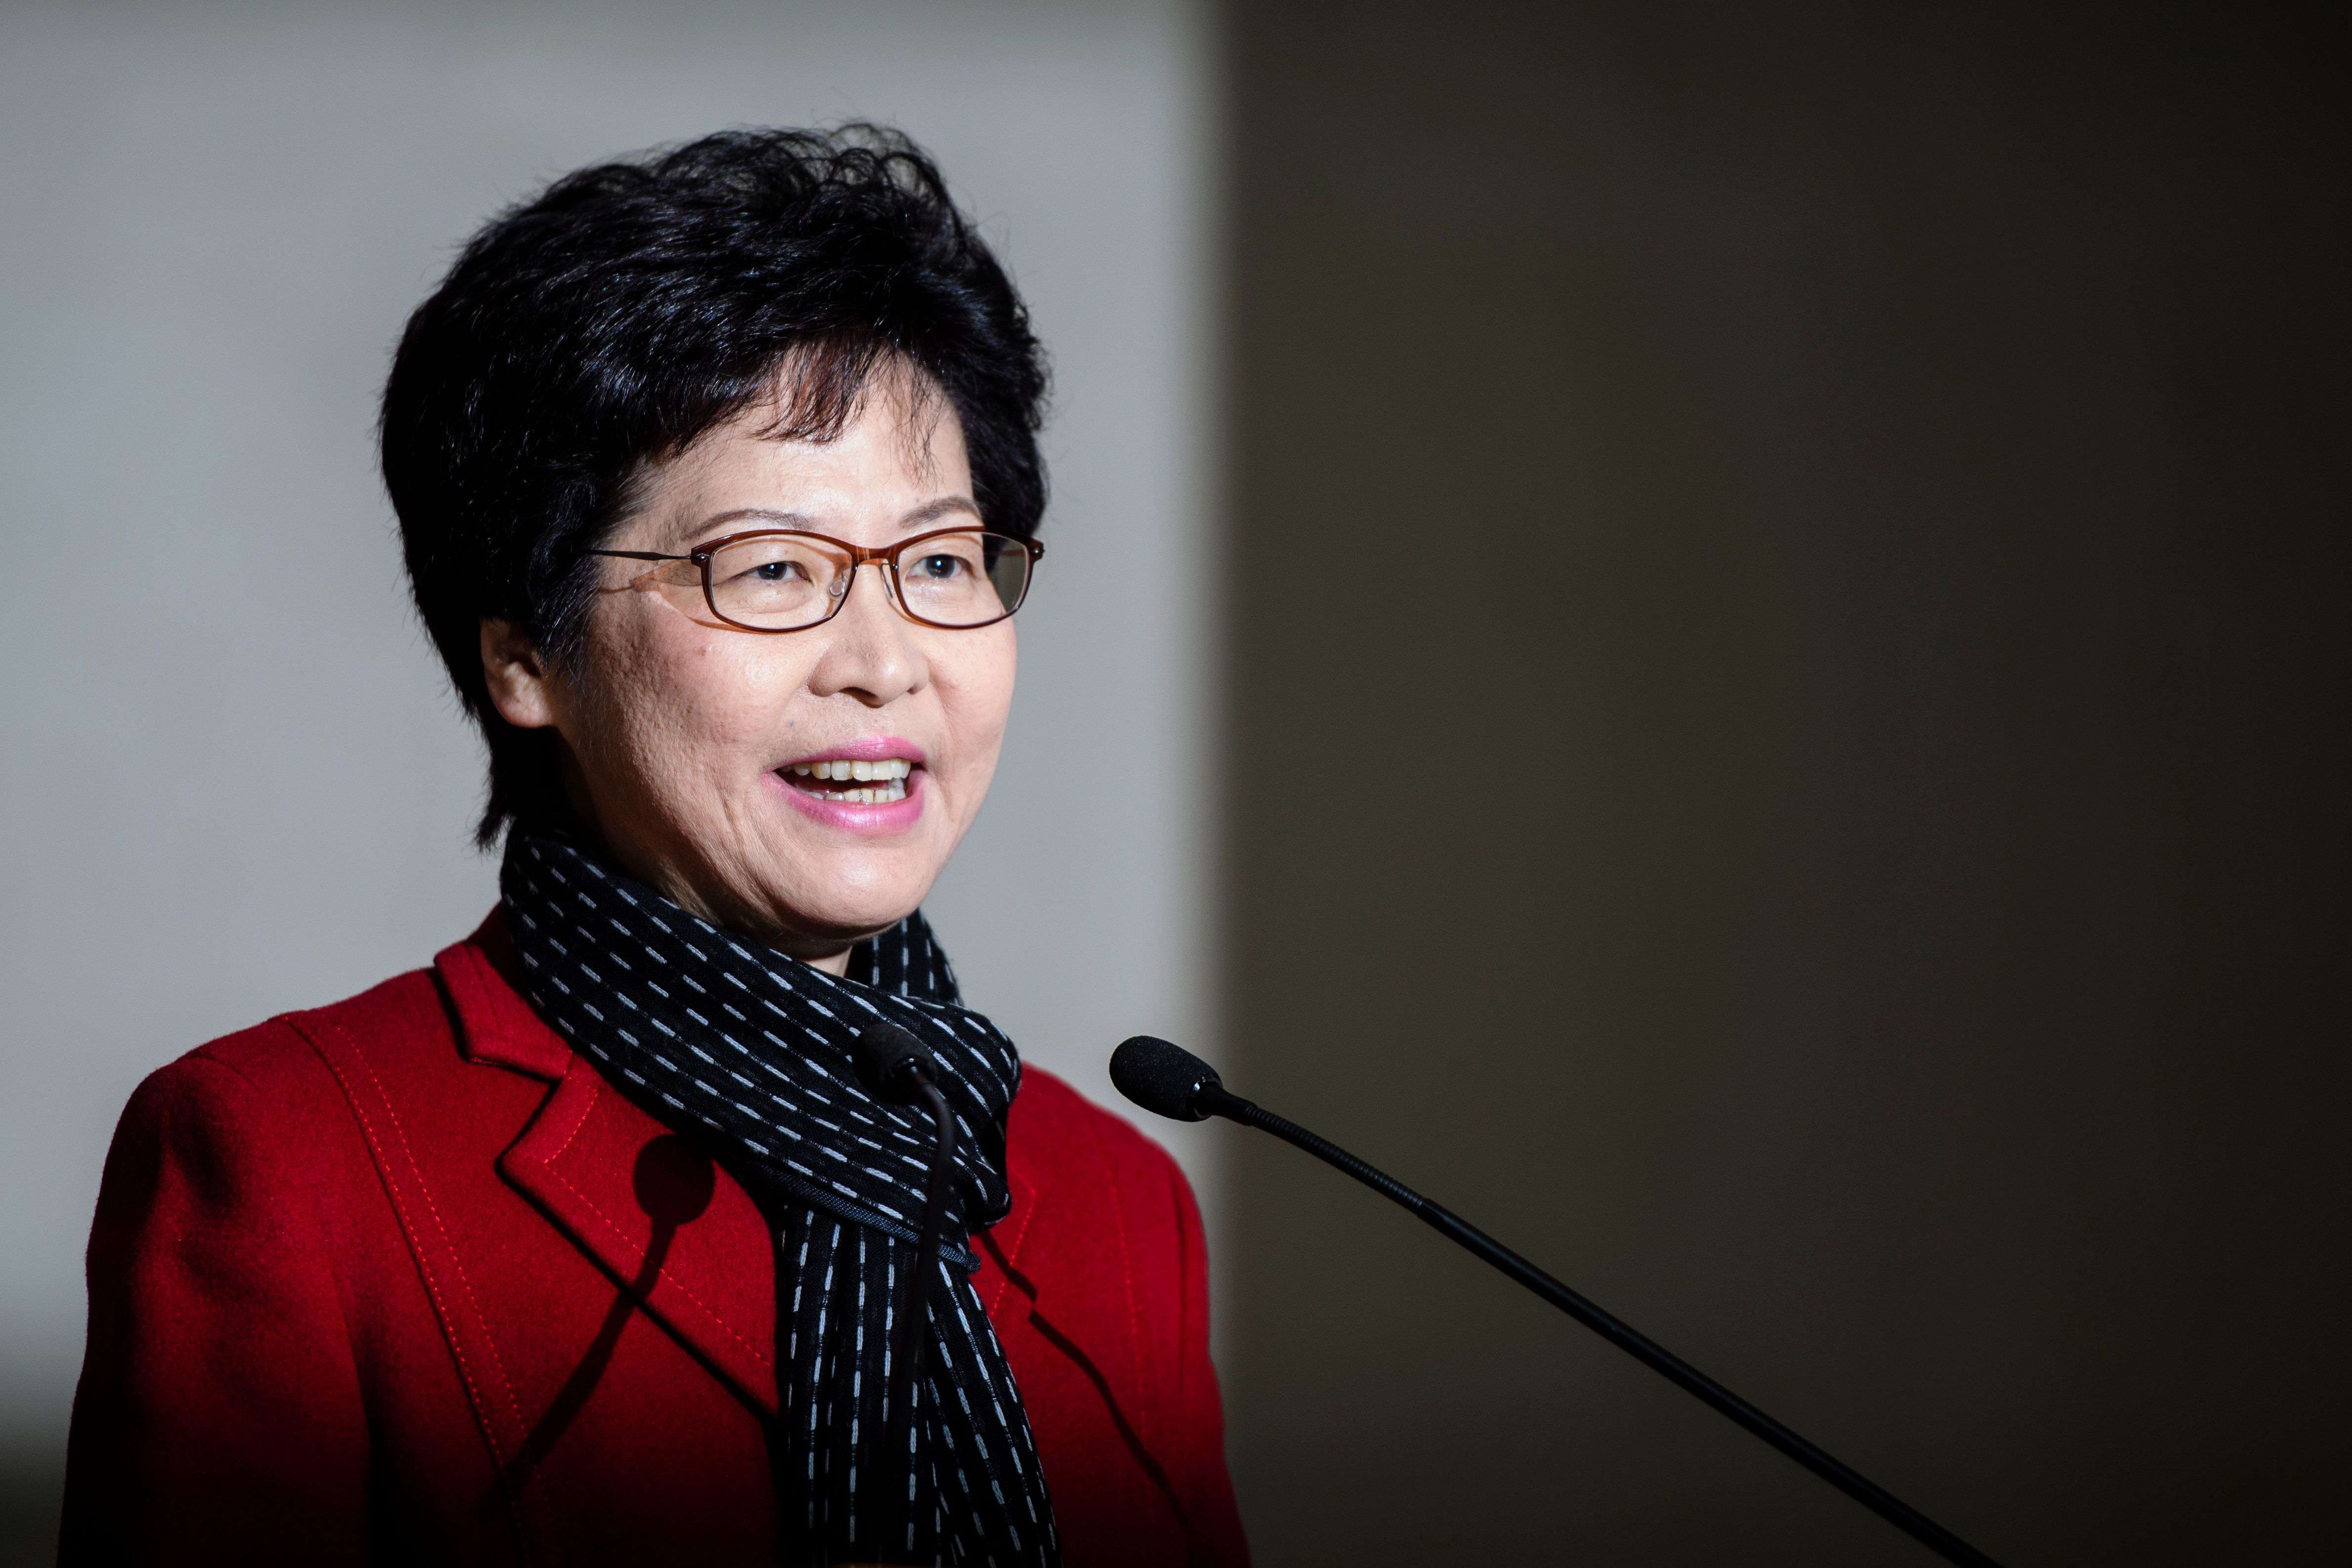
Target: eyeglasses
(782,580)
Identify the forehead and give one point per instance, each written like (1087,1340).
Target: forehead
(893,457)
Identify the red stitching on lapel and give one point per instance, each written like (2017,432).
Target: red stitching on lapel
(482,1417)
(425,1192)
(1127,1277)
(596,1087)
(622,1236)
(1027,1209)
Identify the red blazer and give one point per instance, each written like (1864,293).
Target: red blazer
(405,1276)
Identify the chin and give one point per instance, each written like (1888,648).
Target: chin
(854,922)
(846,895)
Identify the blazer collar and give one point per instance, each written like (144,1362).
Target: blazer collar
(482,975)
(650,1207)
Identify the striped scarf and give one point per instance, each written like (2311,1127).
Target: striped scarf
(751,1053)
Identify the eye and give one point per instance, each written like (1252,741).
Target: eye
(777,571)
(939,568)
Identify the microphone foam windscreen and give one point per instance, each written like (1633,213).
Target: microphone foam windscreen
(891,1062)
(1165,1080)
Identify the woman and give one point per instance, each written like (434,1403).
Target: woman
(718,479)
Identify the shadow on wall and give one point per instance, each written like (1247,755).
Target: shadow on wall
(32,1481)
(1804,565)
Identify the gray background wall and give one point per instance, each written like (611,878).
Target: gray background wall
(1801,548)
(233,782)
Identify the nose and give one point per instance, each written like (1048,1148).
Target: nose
(872,653)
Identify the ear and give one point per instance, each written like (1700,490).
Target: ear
(521,688)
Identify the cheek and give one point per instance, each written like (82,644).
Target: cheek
(692,703)
(975,681)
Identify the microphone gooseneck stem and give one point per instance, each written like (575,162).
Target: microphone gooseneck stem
(1856,1485)
(912,1332)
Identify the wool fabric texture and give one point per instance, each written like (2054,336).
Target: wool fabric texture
(752,1055)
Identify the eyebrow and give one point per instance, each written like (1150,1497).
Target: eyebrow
(929,512)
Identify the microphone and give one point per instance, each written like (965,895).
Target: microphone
(1168,1080)
(899,1068)
(1165,1078)
(893,1063)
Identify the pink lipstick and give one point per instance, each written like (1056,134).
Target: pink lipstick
(873,786)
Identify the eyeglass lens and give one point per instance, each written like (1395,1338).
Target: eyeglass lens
(780,581)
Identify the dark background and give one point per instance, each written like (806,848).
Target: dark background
(1787,696)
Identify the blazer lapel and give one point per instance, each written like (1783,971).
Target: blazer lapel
(1001,1279)
(651,1208)
(691,1248)
(1061,1259)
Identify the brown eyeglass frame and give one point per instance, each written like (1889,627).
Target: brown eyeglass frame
(859,555)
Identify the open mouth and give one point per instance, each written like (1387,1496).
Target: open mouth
(851,782)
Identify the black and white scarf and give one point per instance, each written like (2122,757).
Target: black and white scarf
(751,1053)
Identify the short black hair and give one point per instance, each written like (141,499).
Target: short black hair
(633,306)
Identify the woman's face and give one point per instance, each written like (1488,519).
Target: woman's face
(692,745)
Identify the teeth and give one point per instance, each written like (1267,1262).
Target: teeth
(889,768)
(886,780)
